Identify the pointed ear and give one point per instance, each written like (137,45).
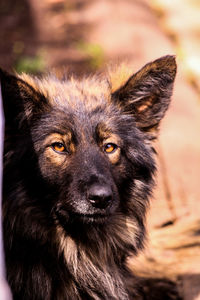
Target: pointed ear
(20,99)
(146,94)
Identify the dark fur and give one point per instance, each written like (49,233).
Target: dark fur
(59,245)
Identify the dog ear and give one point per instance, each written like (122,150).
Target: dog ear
(20,99)
(147,93)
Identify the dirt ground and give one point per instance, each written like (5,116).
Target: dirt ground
(83,36)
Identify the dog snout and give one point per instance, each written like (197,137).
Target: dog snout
(100,196)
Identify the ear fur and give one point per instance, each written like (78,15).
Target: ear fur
(147,93)
(19,98)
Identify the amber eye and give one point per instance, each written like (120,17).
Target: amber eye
(110,148)
(58,147)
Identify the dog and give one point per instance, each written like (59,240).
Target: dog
(79,167)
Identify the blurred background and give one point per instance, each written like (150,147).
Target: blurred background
(83,36)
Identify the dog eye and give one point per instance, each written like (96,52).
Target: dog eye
(110,148)
(58,147)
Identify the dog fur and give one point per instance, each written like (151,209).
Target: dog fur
(78,174)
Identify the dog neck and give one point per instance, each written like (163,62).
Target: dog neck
(97,264)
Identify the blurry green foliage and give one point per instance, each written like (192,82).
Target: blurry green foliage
(30,64)
(93,52)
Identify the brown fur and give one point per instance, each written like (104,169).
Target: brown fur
(73,217)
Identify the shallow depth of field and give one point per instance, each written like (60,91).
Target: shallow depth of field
(84,36)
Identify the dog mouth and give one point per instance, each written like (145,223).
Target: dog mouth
(95,217)
(66,217)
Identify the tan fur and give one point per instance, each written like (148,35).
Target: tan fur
(50,154)
(54,158)
(93,87)
(115,156)
(118,76)
(106,136)
(79,259)
(103,131)
(30,80)
(147,104)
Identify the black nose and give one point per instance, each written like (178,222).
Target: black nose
(100,196)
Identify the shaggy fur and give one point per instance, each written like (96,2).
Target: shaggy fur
(78,174)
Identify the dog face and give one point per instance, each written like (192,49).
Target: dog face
(87,145)
(90,158)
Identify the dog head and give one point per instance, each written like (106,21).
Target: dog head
(83,149)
